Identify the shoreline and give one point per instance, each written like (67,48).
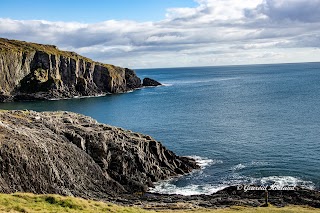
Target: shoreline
(230,196)
(110,161)
(92,142)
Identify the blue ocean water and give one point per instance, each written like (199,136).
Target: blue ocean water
(245,124)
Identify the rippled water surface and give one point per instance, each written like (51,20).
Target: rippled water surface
(245,124)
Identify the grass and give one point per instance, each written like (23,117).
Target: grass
(27,47)
(25,202)
(237,209)
(22,46)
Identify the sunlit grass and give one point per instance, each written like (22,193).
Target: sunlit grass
(287,209)
(24,202)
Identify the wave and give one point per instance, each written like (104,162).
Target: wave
(79,97)
(166,85)
(238,167)
(173,186)
(168,187)
(203,162)
(241,166)
(153,93)
(236,178)
(286,181)
(193,189)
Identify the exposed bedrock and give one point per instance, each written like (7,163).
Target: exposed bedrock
(30,71)
(71,154)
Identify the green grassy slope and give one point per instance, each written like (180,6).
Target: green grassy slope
(24,202)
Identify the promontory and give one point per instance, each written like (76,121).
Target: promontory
(30,71)
(71,154)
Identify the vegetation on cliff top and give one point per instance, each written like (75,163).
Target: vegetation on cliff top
(25,202)
(31,71)
(23,46)
(27,47)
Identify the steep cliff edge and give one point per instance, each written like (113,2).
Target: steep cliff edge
(34,71)
(71,154)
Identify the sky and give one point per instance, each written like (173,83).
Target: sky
(167,33)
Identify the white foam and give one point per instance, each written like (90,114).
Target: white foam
(238,167)
(168,187)
(203,162)
(153,93)
(226,79)
(286,181)
(241,166)
(193,189)
(166,84)
(78,97)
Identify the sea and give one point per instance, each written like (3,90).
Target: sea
(249,124)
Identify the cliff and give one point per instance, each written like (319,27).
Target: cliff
(71,154)
(31,71)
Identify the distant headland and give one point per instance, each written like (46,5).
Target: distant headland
(30,71)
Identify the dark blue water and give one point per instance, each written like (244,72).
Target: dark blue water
(246,124)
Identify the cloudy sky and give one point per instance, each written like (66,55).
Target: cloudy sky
(166,33)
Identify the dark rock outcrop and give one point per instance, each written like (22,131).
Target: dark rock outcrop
(148,82)
(31,71)
(227,197)
(71,154)
(133,82)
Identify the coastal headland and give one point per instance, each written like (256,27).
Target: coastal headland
(73,155)
(30,71)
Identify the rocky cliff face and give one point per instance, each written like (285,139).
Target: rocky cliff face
(71,154)
(35,71)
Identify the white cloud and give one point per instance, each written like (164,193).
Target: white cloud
(293,10)
(209,11)
(213,33)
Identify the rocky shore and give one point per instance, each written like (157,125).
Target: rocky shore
(70,154)
(228,197)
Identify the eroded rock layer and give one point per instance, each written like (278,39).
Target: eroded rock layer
(31,71)
(71,154)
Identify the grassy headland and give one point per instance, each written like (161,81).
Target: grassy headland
(25,202)
(27,47)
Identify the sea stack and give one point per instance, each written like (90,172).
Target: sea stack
(148,82)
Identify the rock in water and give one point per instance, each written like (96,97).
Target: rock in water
(148,82)
(31,71)
(71,154)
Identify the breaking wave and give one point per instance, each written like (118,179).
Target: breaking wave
(166,187)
